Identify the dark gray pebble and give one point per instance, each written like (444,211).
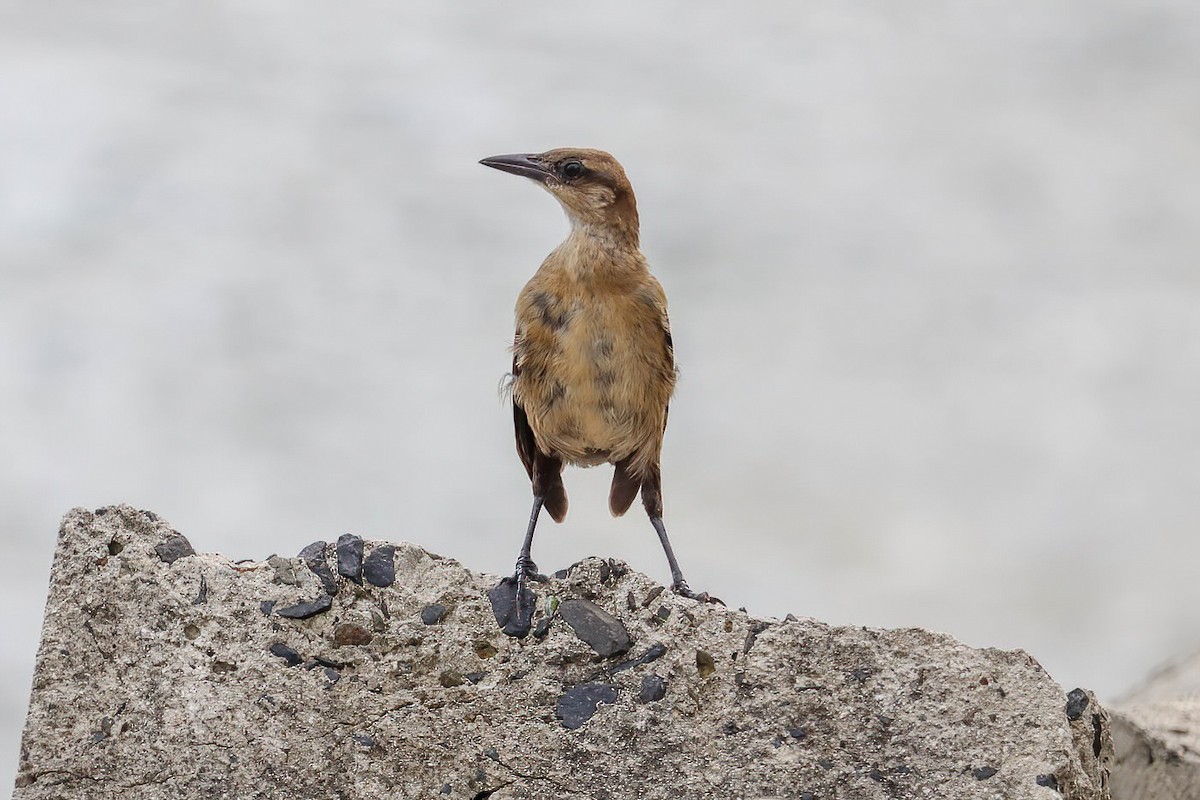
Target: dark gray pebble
(174,548)
(474,677)
(328,662)
(314,556)
(350,557)
(306,610)
(201,593)
(446,789)
(653,688)
(514,619)
(325,575)
(983,773)
(332,675)
(1077,703)
(653,653)
(797,733)
(286,653)
(380,566)
(433,614)
(579,704)
(1048,781)
(600,629)
(543,627)
(313,552)
(266,607)
(363,740)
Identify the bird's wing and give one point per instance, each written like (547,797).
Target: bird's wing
(626,481)
(665,322)
(666,325)
(526,447)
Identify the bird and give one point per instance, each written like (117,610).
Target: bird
(593,367)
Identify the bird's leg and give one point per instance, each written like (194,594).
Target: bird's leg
(512,601)
(526,569)
(678,584)
(652,500)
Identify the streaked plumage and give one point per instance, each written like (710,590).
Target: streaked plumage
(593,360)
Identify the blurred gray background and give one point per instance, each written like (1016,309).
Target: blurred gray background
(932,270)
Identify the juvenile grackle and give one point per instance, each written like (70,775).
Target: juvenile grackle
(593,362)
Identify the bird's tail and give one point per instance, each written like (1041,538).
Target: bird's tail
(625,487)
(555,500)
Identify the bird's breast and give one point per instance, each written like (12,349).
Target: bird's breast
(590,375)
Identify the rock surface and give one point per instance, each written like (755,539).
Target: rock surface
(141,693)
(1156,730)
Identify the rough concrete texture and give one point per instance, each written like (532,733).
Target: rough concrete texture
(180,680)
(1156,730)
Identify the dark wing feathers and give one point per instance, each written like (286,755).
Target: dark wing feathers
(545,472)
(526,447)
(625,487)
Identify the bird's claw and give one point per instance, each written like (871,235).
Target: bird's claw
(527,570)
(683,590)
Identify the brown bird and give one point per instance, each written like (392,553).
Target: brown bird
(593,362)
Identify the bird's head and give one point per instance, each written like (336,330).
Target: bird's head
(590,184)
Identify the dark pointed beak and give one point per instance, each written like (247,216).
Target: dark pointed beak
(527,165)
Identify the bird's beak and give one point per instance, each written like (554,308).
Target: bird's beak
(526,165)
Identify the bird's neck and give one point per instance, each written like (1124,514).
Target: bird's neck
(598,251)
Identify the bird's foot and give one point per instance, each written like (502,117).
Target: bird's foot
(528,571)
(513,601)
(512,605)
(681,588)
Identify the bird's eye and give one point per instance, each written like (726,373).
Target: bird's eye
(572,170)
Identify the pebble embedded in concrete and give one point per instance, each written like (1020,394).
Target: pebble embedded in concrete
(314,556)
(307,609)
(286,653)
(653,688)
(350,557)
(174,548)
(1077,703)
(432,614)
(603,632)
(379,568)
(580,703)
